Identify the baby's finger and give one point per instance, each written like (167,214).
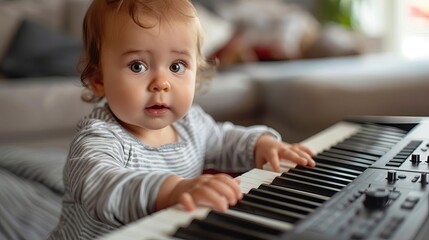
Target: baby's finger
(237,180)
(224,190)
(310,161)
(232,184)
(208,197)
(187,201)
(291,155)
(272,157)
(275,163)
(305,149)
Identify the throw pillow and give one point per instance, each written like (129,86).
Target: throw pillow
(38,51)
(48,12)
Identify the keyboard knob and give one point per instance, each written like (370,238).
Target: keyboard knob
(424,178)
(415,158)
(376,199)
(391,176)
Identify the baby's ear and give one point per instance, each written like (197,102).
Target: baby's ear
(96,84)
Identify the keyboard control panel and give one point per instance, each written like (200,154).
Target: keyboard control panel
(376,205)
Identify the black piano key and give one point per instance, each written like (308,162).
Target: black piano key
(397,160)
(380,136)
(267,211)
(245,224)
(359,149)
(304,186)
(193,233)
(377,134)
(301,177)
(277,204)
(230,229)
(393,164)
(328,166)
(322,176)
(317,169)
(284,198)
(219,229)
(361,144)
(293,193)
(402,155)
(347,158)
(340,163)
(373,138)
(289,197)
(371,142)
(384,130)
(352,154)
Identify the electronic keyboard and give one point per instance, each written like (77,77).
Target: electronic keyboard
(370,182)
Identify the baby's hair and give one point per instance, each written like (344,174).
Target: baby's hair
(162,10)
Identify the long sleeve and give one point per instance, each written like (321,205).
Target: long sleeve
(95,177)
(229,147)
(112,178)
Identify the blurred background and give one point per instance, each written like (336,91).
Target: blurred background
(298,66)
(282,63)
(289,29)
(43,37)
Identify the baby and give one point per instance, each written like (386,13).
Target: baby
(145,148)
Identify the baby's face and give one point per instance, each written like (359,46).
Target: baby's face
(148,75)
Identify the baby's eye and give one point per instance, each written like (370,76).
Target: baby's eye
(177,67)
(137,67)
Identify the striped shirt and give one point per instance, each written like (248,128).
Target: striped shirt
(111,178)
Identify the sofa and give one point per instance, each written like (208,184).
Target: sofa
(298,98)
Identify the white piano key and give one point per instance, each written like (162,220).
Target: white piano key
(267,221)
(284,168)
(321,141)
(172,216)
(331,136)
(260,175)
(250,180)
(136,231)
(245,189)
(159,225)
(163,224)
(253,182)
(309,194)
(245,184)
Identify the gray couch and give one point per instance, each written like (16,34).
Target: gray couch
(298,98)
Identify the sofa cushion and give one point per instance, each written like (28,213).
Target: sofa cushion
(231,96)
(40,110)
(47,12)
(308,96)
(40,51)
(42,165)
(28,210)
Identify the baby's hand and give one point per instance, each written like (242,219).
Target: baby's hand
(215,191)
(268,149)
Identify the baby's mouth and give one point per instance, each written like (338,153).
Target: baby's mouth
(158,107)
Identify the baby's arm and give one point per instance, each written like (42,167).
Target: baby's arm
(216,191)
(269,149)
(96,178)
(228,147)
